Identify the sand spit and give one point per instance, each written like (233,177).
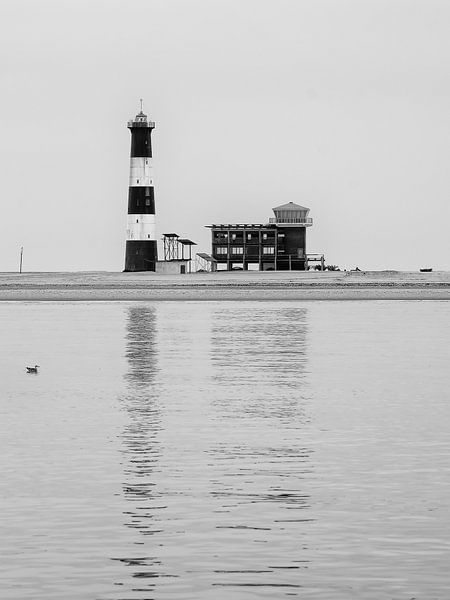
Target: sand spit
(252,285)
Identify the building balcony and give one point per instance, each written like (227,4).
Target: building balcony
(149,124)
(307,222)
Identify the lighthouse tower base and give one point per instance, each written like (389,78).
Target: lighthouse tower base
(140,255)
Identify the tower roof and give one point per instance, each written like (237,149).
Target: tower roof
(290,206)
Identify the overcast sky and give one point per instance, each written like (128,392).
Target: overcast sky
(339,105)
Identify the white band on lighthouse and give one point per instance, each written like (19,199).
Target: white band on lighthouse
(141,227)
(141,172)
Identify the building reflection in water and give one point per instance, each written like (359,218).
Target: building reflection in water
(264,355)
(263,459)
(141,450)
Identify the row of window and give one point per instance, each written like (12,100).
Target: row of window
(250,236)
(240,250)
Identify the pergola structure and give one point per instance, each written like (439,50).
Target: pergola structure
(174,248)
(171,246)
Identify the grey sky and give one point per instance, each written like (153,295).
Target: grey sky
(338,105)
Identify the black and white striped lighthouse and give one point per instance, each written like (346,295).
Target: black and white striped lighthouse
(141,249)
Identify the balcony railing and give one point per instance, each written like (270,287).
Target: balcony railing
(293,221)
(133,123)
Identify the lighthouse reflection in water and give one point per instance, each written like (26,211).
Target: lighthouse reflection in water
(140,437)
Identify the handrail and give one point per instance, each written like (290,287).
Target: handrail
(133,123)
(307,220)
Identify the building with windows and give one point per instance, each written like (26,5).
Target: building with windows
(279,244)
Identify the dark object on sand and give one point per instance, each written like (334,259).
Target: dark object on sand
(33,369)
(426,270)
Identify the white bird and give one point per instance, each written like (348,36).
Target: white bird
(33,369)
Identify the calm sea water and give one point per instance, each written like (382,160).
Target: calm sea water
(207,450)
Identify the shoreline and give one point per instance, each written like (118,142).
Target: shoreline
(224,286)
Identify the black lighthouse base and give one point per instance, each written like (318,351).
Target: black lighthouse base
(140,255)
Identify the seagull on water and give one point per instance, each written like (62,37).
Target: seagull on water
(33,369)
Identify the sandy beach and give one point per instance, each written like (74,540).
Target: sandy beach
(252,285)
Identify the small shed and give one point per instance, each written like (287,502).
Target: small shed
(177,266)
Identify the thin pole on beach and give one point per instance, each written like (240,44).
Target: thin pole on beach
(21,259)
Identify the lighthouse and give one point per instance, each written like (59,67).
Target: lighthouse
(141,251)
